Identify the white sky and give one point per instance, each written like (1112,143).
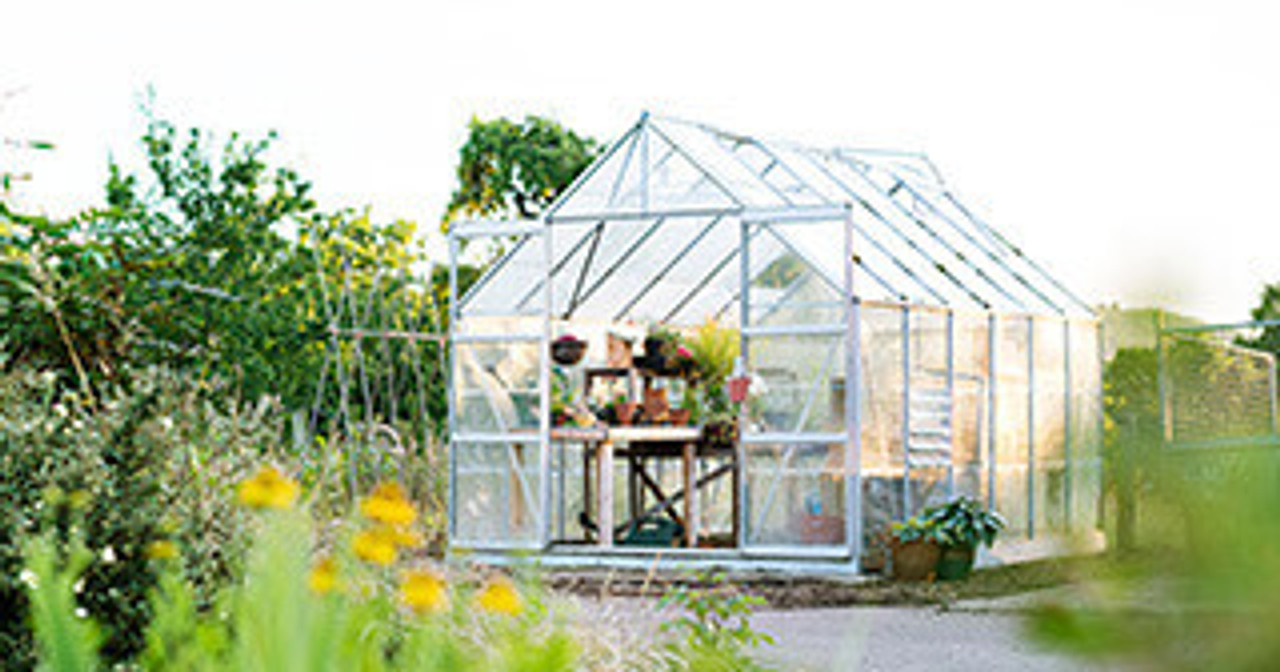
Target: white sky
(1129,146)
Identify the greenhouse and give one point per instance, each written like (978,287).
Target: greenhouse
(719,347)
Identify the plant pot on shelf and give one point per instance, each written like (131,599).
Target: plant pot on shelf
(679,416)
(915,560)
(721,433)
(625,413)
(955,562)
(568,351)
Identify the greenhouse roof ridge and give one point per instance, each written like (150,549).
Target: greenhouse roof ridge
(673,190)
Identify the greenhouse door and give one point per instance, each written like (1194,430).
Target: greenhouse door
(498,403)
(799,442)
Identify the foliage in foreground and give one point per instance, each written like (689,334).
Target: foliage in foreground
(145,468)
(713,627)
(352,606)
(1205,594)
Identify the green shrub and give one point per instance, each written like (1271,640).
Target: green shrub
(140,470)
(293,612)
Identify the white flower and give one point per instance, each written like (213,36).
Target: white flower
(29,577)
(78,587)
(81,613)
(108,555)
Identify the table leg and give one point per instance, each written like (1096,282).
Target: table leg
(690,469)
(604,481)
(586,489)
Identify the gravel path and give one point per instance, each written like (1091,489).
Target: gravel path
(902,639)
(861,638)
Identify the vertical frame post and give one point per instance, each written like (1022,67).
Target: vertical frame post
(1099,442)
(1068,480)
(1031,427)
(951,399)
(451,382)
(744,321)
(992,334)
(852,400)
(544,396)
(906,412)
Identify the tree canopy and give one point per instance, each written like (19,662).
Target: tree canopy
(516,169)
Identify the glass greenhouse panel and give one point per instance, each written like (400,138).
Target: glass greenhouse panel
(1012,406)
(505,289)
(650,286)
(1086,426)
(971,415)
(795,495)
(1050,479)
(495,491)
(496,387)
(696,279)
(881,413)
(800,385)
(646,173)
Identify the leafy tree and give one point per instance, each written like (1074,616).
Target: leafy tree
(509,169)
(211,262)
(1268,308)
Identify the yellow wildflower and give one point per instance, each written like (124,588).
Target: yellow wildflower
(162,550)
(268,489)
(388,504)
(424,592)
(377,546)
(324,577)
(500,597)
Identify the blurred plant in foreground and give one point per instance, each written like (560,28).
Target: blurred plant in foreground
(1205,593)
(294,612)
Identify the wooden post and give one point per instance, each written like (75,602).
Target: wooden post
(604,481)
(690,467)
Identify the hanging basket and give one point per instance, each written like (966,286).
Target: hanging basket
(568,351)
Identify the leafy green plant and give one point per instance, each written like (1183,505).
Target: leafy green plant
(144,467)
(965,522)
(347,610)
(918,528)
(713,629)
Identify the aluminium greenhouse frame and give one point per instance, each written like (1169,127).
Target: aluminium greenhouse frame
(678,221)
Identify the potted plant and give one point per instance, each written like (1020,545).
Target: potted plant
(720,429)
(915,546)
(568,350)
(963,524)
(660,349)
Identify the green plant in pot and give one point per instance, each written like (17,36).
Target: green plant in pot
(915,546)
(660,349)
(714,349)
(963,523)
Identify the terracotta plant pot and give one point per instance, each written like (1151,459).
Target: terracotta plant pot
(625,414)
(915,560)
(679,416)
(955,563)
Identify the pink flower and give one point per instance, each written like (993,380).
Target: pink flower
(684,352)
